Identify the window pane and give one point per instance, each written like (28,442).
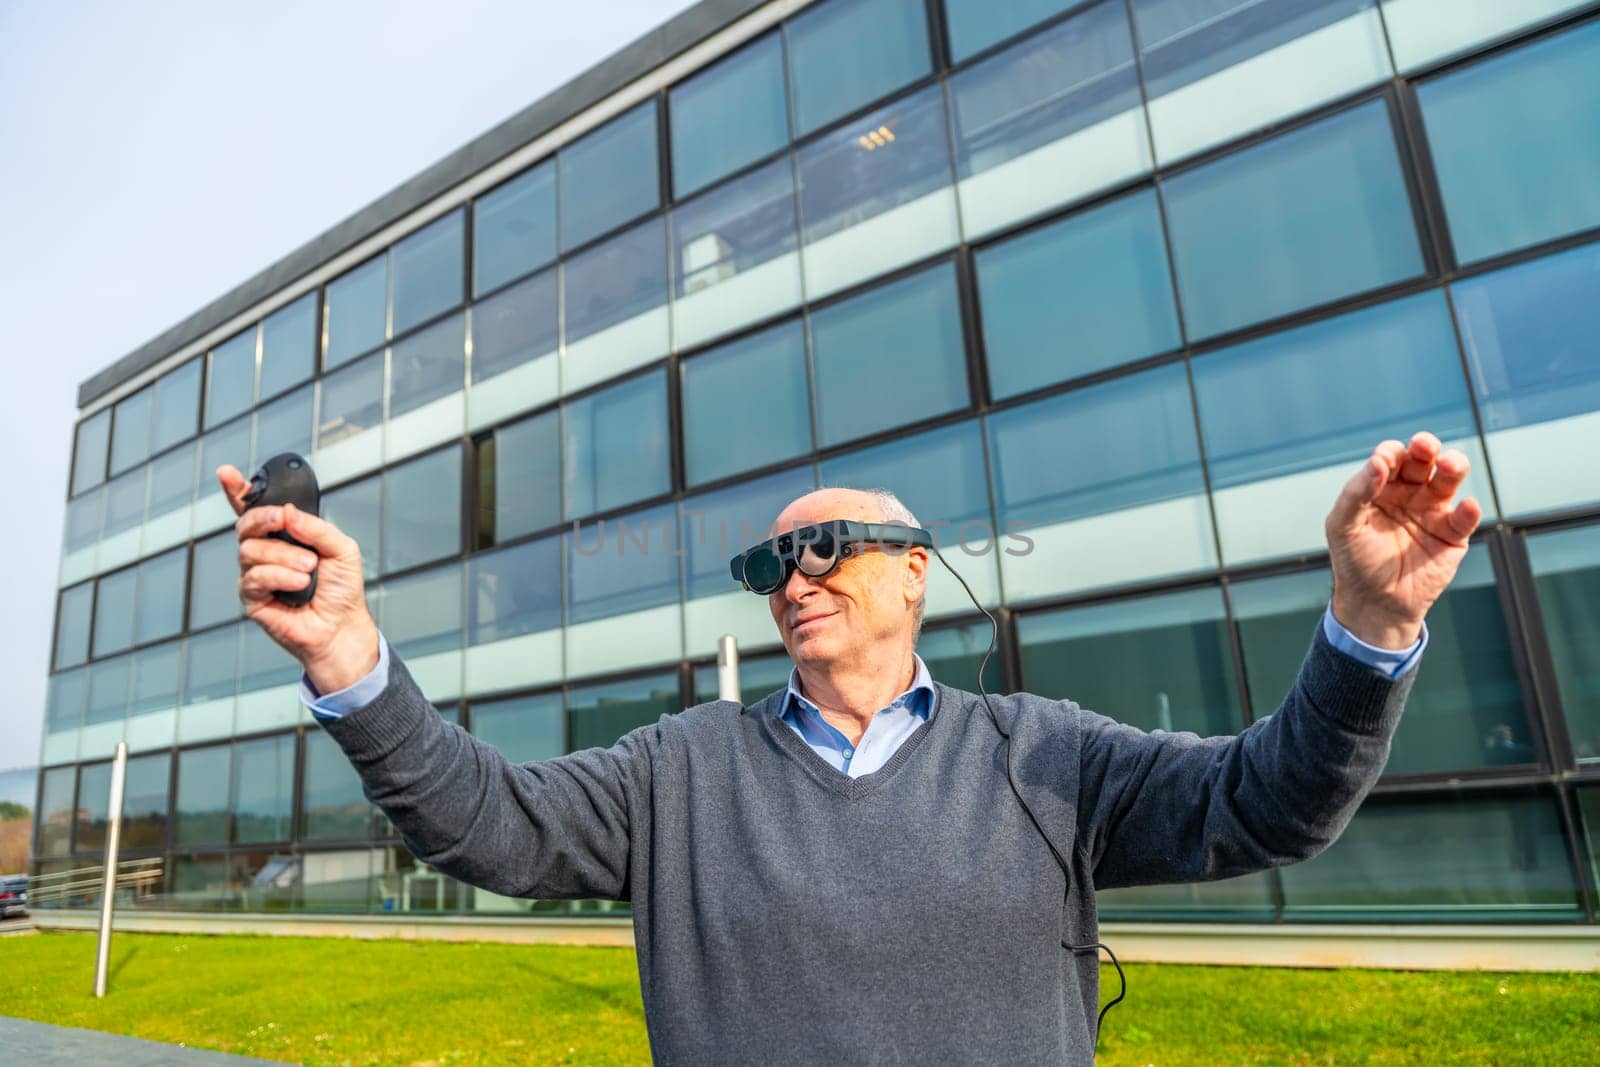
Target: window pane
(1308,217)
(1049,120)
(177,406)
(1529,336)
(283,426)
(728,115)
(1566,570)
(615,447)
(214,592)
(357,510)
(333,803)
(229,444)
(954,653)
(352,401)
(203,786)
(113,620)
(527,476)
(262,664)
(734,258)
(525,729)
(355,312)
(514,228)
(746,404)
(55,810)
(130,430)
(144,801)
(1215,69)
(848,53)
(1113,514)
(421,613)
(974,25)
(1421,31)
(1440,858)
(1287,419)
(875,194)
(902,341)
(211,666)
(125,498)
(603,713)
(428,365)
(759,676)
(1157,663)
(514,591)
(1589,806)
(939,475)
(94,806)
(84,517)
(609,176)
(422,510)
(628,564)
(231,378)
(1466,709)
(73,613)
(721,524)
(428,271)
(1513,143)
(515,326)
(108,690)
(1076,297)
(172,483)
(616,306)
(155,678)
(89,455)
(263,788)
(161,592)
(288,345)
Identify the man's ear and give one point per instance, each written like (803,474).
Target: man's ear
(916,572)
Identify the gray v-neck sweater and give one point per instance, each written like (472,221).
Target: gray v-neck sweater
(786,913)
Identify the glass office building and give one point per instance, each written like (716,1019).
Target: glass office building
(1142,280)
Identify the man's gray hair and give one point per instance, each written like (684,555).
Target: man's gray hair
(894,510)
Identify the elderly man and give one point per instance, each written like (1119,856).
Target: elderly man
(872,867)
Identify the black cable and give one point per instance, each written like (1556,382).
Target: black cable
(1066,869)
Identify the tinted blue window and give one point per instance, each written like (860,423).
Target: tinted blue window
(89,458)
(514,228)
(1513,141)
(230,378)
(69,693)
(211,665)
(615,447)
(527,477)
(421,613)
(1037,478)
(155,678)
(600,714)
(609,176)
(114,603)
(108,692)
(939,475)
(172,481)
(422,509)
(125,497)
(213,591)
(428,365)
(718,526)
(161,596)
(974,25)
(1076,297)
(514,591)
(746,404)
(889,357)
(130,430)
(1328,392)
(282,426)
(728,115)
(616,281)
(1309,217)
(357,509)
(72,625)
(524,729)
(355,310)
(262,662)
(847,53)
(428,273)
(177,407)
(288,345)
(1566,569)
(622,565)
(229,444)
(84,516)
(352,401)
(516,325)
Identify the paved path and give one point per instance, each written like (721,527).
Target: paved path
(22,1041)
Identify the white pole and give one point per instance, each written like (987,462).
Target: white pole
(728,669)
(108,885)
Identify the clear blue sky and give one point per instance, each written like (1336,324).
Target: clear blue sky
(154,155)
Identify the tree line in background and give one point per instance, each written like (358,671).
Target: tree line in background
(16,832)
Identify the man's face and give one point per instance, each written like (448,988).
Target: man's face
(867,601)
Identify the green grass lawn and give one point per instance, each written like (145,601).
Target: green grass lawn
(330,1001)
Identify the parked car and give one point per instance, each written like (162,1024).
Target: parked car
(13,895)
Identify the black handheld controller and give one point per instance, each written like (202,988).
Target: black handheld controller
(287,479)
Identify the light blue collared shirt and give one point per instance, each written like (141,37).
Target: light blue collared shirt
(888,729)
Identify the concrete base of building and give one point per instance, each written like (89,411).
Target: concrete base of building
(1399,947)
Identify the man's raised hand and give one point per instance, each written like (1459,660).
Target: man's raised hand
(1396,540)
(333,636)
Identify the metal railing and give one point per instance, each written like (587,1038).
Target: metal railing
(60,888)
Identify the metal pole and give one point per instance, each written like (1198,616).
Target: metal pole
(108,884)
(728,668)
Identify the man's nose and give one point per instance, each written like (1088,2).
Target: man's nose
(799,587)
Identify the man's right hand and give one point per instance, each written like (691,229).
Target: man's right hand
(333,636)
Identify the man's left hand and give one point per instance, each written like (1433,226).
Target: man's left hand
(1396,541)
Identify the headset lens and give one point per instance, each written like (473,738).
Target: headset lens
(816,551)
(763,570)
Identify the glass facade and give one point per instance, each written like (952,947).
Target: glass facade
(1113,294)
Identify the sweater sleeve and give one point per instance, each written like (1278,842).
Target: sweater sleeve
(1173,807)
(554,829)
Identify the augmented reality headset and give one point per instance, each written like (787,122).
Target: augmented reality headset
(816,549)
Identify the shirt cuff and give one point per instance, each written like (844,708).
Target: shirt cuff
(1390,661)
(326,707)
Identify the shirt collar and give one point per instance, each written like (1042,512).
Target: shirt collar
(921,687)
